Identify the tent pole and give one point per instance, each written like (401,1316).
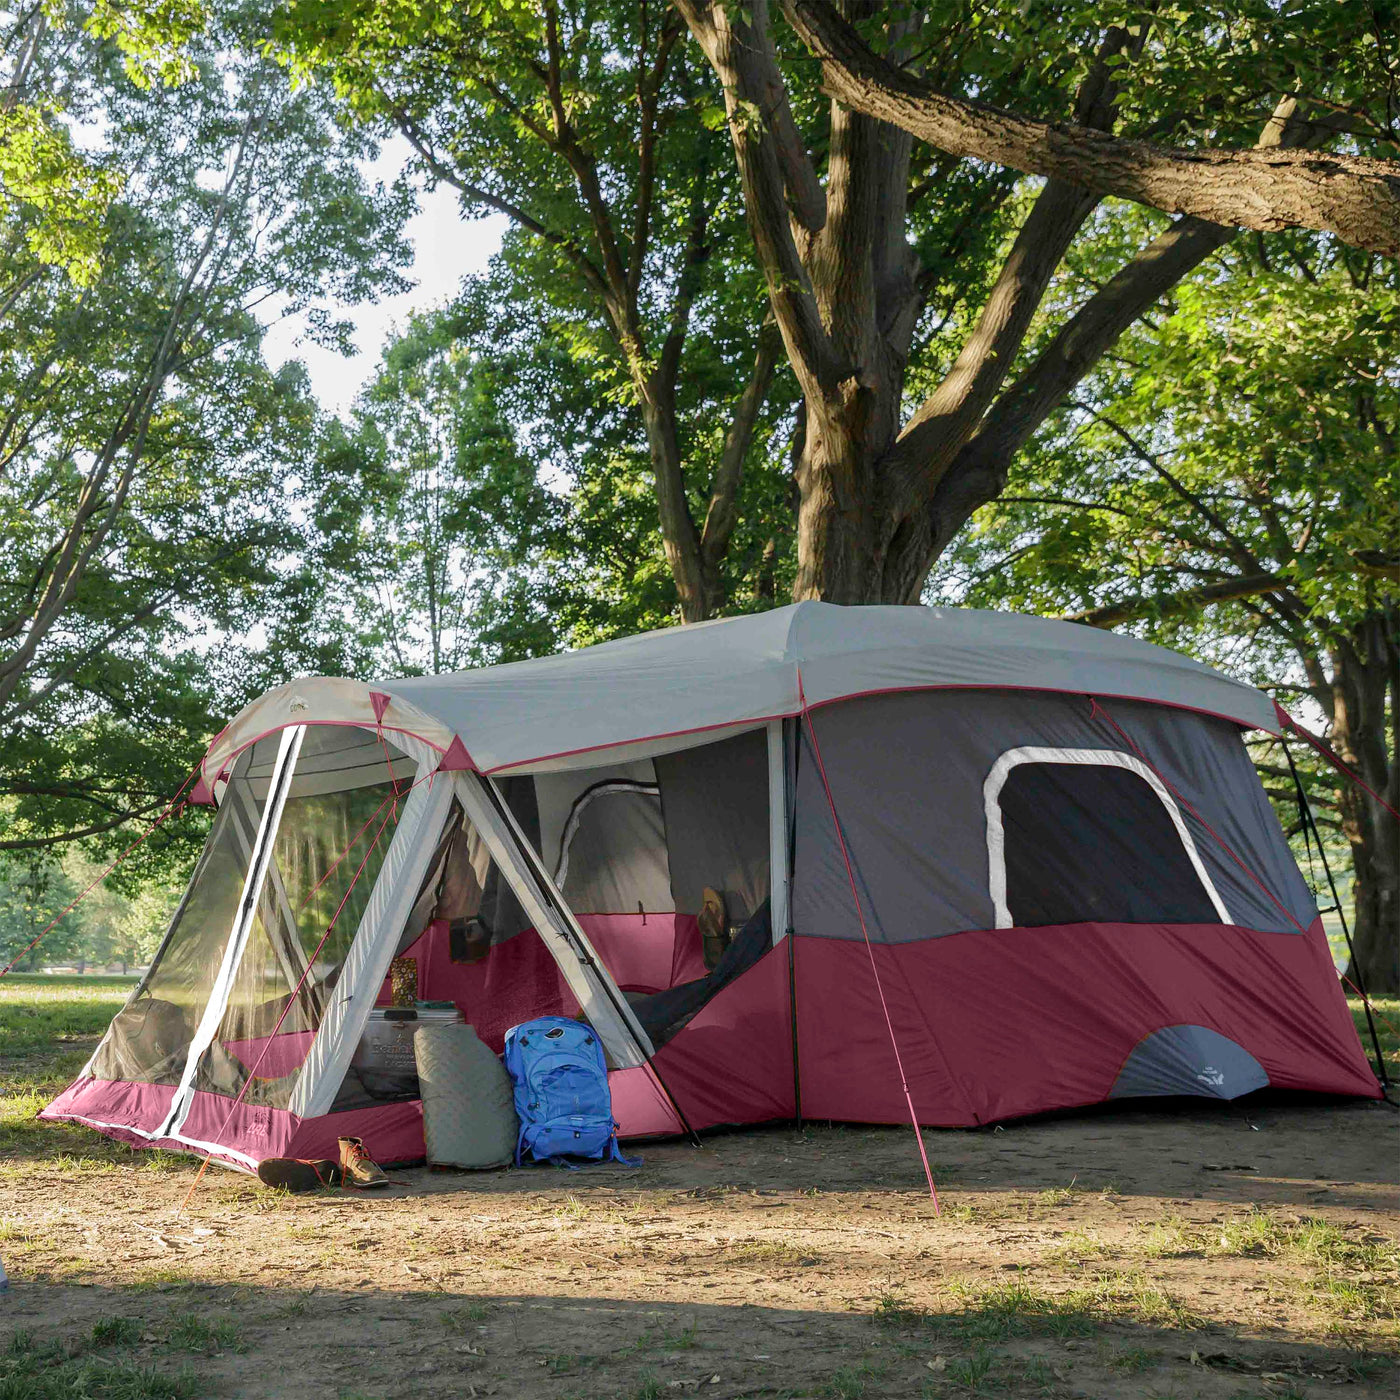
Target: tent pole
(1305,812)
(547,889)
(790,934)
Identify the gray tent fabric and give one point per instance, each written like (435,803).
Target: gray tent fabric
(743,669)
(1188,1060)
(612,850)
(469,1115)
(715,801)
(696,681)
(909,775)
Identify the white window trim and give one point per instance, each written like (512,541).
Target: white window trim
(606,787)
(1104,758)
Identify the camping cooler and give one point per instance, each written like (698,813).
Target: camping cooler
(384,1056)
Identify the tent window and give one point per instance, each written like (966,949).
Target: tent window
(612,851)
(1090,835)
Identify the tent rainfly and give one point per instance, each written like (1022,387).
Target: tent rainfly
(1043,846)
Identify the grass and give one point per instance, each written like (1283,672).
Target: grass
(458,1319)
(1075,1247)
(190,1332)
(116,1332)
(971,1372)
(851,1382)
(50,1371)
(768,1254)
(1017,1308)
(1132,1361)
(1387,1019)
(1348,1276)
(49,1027)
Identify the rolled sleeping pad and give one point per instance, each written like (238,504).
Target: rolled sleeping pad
(468,1099)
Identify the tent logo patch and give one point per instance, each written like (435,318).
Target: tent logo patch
(1212,1076)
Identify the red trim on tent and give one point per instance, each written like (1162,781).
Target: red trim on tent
(457,759)
(757,721)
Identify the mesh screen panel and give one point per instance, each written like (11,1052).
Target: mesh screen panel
(325,859)
(149,1039)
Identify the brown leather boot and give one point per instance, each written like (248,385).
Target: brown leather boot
(359,1167)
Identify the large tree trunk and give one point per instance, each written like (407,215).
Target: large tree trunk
(838,544)
(1365,685)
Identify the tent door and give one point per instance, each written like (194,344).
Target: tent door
(366,965)
(279,785)
(588,978)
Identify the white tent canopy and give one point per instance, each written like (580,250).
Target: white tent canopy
(734,673)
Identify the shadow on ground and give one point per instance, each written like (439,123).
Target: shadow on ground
(373,1342)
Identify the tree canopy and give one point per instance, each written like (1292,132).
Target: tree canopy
(147,452)
(871,303)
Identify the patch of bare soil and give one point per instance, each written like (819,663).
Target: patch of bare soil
(1215,1252)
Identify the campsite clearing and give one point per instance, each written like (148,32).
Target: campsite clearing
(1231,1250)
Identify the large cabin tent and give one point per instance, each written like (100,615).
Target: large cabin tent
(1055,862)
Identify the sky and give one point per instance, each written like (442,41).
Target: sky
(445,248)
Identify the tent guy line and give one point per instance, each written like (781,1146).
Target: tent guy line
(865,934)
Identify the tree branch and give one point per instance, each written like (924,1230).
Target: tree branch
(649,84)
(780,189)
(723,512)
(1177,604)
(1354,197)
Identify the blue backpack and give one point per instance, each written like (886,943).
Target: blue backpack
(561,1091)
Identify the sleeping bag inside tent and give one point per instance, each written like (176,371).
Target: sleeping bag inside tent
(1041,847)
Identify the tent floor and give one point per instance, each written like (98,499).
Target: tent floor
(1080,1254)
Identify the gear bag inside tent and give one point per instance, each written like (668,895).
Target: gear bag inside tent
(1041,849)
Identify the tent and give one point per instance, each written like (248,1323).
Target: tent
(1031,859)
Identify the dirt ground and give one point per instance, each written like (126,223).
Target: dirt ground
(1214,1251)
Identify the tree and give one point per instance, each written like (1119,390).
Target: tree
(1230,483)
(593,129)
(912,419)
(149,457)
(1355,197)
(437,529)
(33,890)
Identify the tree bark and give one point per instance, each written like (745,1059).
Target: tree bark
(1356,198)
(1365,685)
(881,497)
